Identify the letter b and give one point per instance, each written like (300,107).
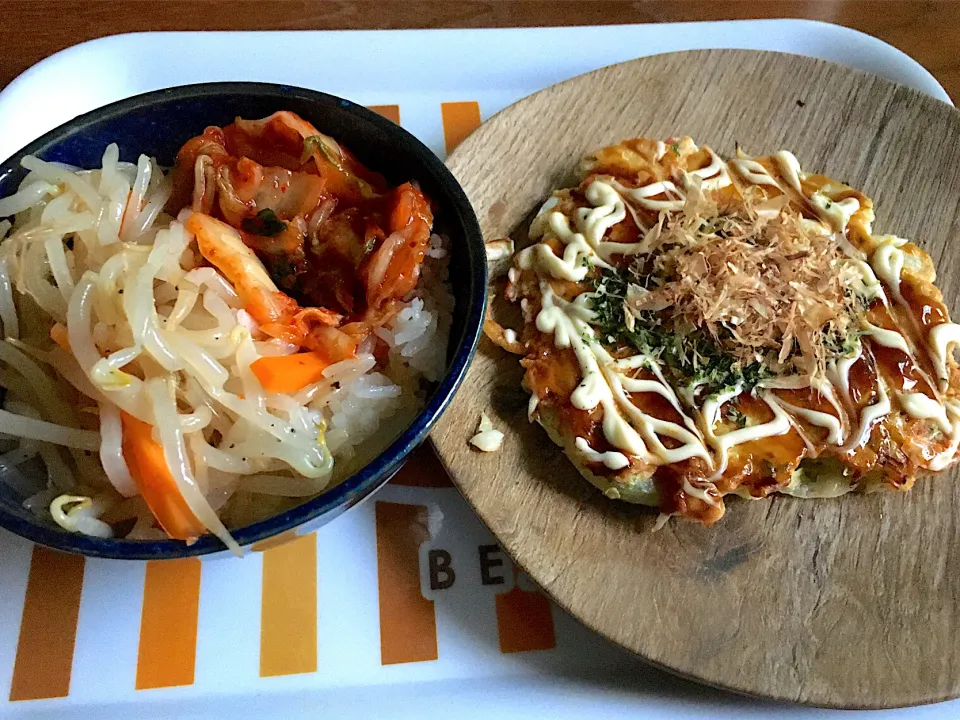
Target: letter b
(442,575)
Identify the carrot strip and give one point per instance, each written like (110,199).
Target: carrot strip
(58,333)
(289,373)
(148,467)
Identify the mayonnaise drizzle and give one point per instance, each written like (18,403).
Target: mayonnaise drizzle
(870,415)
(887,263)
(826,390)
(924,407)
(652,427)
(789,168)
(602,385)
(569,332)
(722,444)
(608,210)
(836,425)
(839,371)
(613,460)
(947,456)
(754,173)
(532,407)
(642,195)
(609,383)
(583,243)
(942,337)
(836,213)
(887,338)
(713,176)
(868,285)
(698,492)
(820,419)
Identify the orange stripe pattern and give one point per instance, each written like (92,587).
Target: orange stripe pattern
(390,112)
(288,608)
(168,624)
(275,541)
(459,120)
(422,469)
(48,627)
(524,621)
(408,623)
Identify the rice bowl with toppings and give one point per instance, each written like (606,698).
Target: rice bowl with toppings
(190,351)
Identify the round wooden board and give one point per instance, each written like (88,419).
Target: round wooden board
(851,602)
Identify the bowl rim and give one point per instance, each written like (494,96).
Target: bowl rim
(379,470)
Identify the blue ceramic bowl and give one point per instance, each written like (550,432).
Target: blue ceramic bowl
(157,124)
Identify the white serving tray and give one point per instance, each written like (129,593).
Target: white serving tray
(481,668)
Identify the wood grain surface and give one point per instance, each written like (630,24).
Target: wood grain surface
(31,30)
(851,602)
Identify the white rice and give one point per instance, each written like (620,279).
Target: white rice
(389,399)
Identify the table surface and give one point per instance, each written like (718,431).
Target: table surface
(928,31)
